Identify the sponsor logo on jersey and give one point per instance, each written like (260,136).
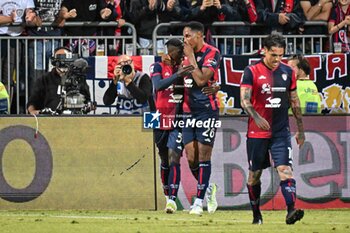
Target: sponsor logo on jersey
(175,98)
(273,102)
(278,89)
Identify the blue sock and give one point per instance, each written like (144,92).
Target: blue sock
(203,178)
(254,192)
(289,193)
(174,180)
(164,175)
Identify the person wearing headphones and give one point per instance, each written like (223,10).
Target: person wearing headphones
(49,89)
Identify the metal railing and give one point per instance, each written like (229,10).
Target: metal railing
(15,56)
(19,62)
(248,44)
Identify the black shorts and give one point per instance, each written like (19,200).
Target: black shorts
(259,149)
(168,139)
(204,135)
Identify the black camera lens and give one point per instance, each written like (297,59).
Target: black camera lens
(126,69)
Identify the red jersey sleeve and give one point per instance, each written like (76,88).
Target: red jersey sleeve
(293,84)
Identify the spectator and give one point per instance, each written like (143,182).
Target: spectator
(87,10)
(310,100)
(50,90)
(143,14)
(167,77)
(114,45)
(205,12)
(131,88)
(40,51)
(80,11)
(237,10)
(171,12)
(338,24)
(285,16)
(316,10)
(268,126)
(14,12)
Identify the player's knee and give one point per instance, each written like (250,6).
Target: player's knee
(174,157)
(192,163)
(254,177)
(285,172)
(205,152)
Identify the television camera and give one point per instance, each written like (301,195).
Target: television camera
(75,94)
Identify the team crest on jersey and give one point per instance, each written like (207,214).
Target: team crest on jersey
(212,61)
(342,35)
(266,88)
(92,7)
(151,69)
(284,77)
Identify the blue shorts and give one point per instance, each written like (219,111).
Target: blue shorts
(205,134)
(258,152)
(169,139)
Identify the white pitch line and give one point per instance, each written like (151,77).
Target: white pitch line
(193,219)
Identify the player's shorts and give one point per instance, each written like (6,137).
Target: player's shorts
(258,152)
(204,134)
(168,139)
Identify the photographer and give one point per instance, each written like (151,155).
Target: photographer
(134,89)
(56,88)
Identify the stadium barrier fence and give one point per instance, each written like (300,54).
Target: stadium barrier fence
(249,44)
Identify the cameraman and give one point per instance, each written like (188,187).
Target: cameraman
(49,89)
(134,90)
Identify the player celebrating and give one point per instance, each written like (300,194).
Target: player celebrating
(199,107)
(167,77)
(267,89)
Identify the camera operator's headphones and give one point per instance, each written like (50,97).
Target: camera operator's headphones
(58,59)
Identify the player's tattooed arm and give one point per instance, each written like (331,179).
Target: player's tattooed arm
(246,94)
(295,105)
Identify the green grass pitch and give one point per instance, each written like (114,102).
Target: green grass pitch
(134,221)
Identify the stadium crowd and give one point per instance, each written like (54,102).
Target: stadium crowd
(286,16)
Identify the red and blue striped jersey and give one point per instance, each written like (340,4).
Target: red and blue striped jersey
(195,101)
(270,97)
(168,100)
